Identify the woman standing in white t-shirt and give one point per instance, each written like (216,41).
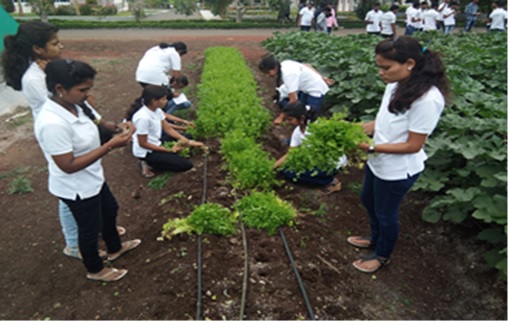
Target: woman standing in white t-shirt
(24,59)
(70,142)
(417,88)
(160,63)
(302,82)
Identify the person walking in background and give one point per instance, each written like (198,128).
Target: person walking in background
(415,95)
(498,17)
(412,14)
(449,20)
(430,18)
(441,7)
(321,20)
(471,12)
(372,20)
(302,82)
(71,144)
(25,56)
(160,63)
(332,21)
(306,17)
(388,22)
(299,116)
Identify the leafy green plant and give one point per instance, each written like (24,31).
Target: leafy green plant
(265,210)
(208,218)
(186,152)
(327,141)
(160,181)
(20,185)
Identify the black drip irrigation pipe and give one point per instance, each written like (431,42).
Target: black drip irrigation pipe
(246,267)
(297,275)
(199,242)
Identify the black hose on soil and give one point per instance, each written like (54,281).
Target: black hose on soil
(246,268)
(199,242)
(297,275)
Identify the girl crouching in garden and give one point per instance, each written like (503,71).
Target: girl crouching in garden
(414,98)
(298,115)
(70,142)
(150,121)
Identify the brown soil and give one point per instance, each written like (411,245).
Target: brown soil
(437,271)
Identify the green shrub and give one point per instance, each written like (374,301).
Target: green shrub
(8,5)
(20,185)
(65,10)
(86,10)
(106,10)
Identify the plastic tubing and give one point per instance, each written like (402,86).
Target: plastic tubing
(297,275)
(246,267)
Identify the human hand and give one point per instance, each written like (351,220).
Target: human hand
(189,123)
(196,144)
(122,139)
(126,126)
(364,146)
(328,81)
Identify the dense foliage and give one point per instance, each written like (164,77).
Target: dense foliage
(328,140)
(265,210)
(467,169)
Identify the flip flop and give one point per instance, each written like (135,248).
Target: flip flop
(111,275)
(382,262)
(126,247)
(354,241)
(146,172)
(334,186)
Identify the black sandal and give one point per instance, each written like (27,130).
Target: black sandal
(383,262)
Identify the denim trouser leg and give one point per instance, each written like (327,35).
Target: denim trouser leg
(316,177)
(69,226)
(171,107)
(313,101)
(382,199)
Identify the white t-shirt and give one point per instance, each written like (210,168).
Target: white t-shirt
(33,86)
(156,64)
(417,15)
(375,17)
(298,77)
(409,13)
(449,21)
(498,17)
(430,18)
(422,118)
(441,9)
(387,20)
(148,123)
(307,16)
(59,132)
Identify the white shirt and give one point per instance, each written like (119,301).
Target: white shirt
(298,77)
(33,86)
(148,123)
(409,12)
(449,21)
(155,65)
(387,20)
(375,17)
(422,118)
(498,17)
(417,15)
(307,16)
(441,9)
(59,132)
(430,18)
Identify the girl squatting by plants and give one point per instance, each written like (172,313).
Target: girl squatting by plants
(25,56)
(150,121)
(70,142)
(414,98)
(298,115)
(302,82)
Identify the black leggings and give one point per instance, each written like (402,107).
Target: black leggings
(166,161)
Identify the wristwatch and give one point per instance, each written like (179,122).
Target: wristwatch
(371,149)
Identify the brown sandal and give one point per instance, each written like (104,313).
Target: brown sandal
(126,247)
(109,274)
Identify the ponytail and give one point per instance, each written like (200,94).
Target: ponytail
(428,71)
(18,52)
(298,110)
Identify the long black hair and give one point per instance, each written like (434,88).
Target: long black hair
(298,110)
(428,71)
(179,46)
(267,64)
(149,93)
(19,53)
(68,73)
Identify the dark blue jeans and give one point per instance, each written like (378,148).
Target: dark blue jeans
(382,199)
(94,215)
(306,99)
(318,178)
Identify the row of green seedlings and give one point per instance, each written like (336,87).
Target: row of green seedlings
(230,109)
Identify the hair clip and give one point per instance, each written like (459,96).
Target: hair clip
(424,49)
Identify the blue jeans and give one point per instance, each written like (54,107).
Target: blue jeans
(172,107)
(319,178)
(448,29)
(469,23)
(409,30)
(94,215)
(69,226)
(313,101)
(382,199)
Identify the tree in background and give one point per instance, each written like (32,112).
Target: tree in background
(42,8)
(218,7)
(185,7)
(7,5)
(282,7)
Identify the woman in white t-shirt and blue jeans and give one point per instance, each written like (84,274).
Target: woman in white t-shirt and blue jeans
(70,142)
(417,88)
